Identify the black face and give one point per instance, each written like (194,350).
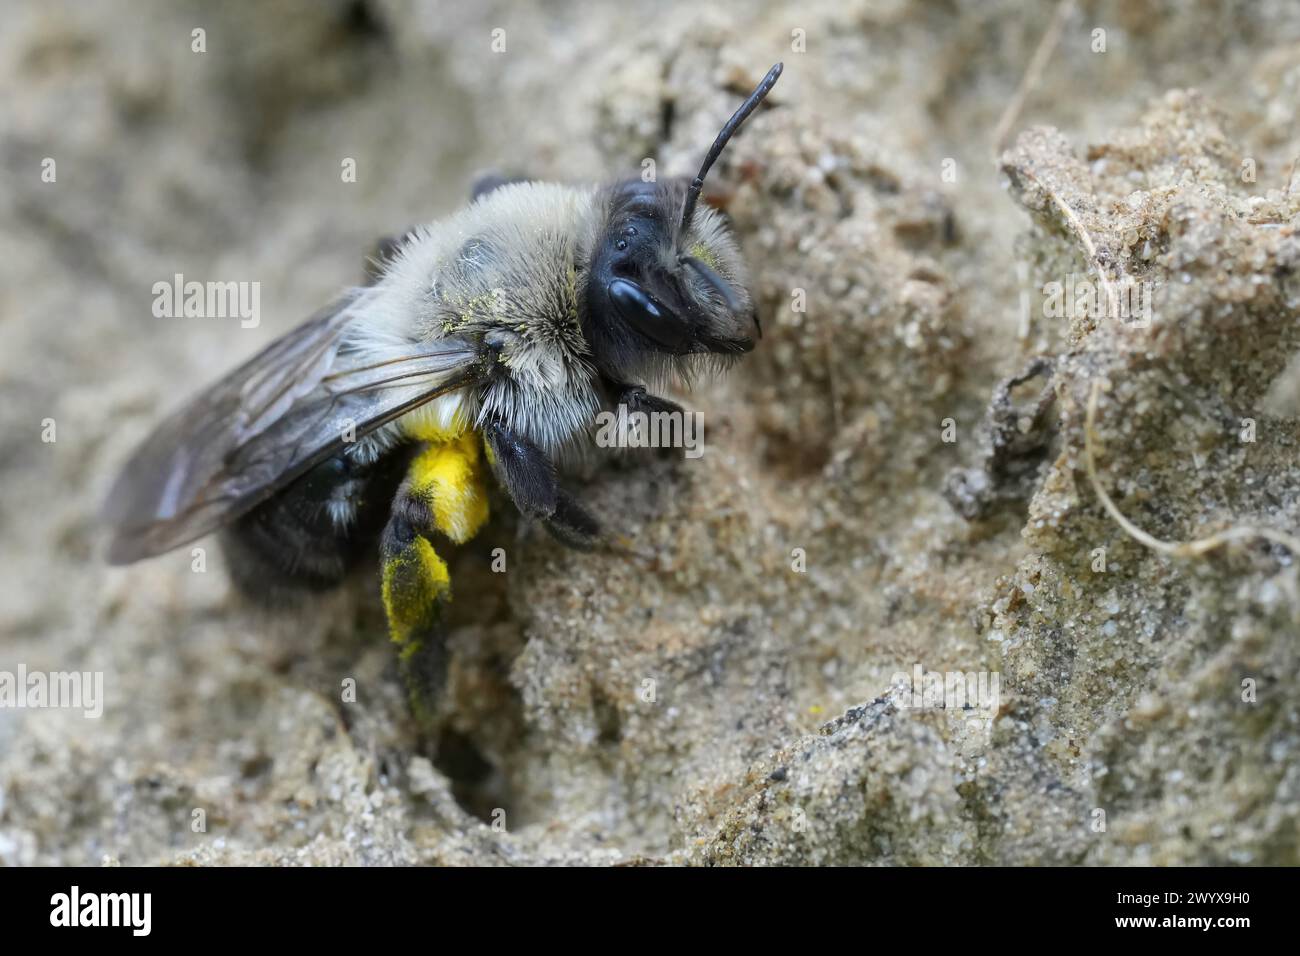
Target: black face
(640,294)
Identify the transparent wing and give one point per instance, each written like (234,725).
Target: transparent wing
(288,408)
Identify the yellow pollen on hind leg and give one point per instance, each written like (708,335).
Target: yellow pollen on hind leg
(448,476)
(414,582)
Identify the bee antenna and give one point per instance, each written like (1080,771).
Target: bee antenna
(733,124)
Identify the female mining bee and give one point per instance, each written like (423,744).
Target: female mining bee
(493,337)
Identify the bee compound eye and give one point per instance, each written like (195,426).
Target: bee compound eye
(647,316)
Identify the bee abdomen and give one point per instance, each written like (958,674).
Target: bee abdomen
(310,535)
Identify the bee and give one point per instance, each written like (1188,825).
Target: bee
(486,342)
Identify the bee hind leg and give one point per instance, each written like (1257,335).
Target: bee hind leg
(490,182)
(441,496)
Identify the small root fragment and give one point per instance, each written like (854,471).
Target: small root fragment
(1177,549)
(1051,37)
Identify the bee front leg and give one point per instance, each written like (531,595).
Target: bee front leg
(528,476)
(442,495)
(637,399)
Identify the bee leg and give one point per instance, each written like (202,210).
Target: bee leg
(382,253)
(572,524)
(488,182)
(637,399)
(528,476)
(415,585)
(442,495)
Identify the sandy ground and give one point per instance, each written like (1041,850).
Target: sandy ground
(871,499)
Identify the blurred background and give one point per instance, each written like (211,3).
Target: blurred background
(877,185)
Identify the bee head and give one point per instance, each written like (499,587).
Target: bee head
(666,279)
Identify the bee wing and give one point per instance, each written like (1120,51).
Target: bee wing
(290,407)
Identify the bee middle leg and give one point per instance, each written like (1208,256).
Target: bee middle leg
(528,476)
(442,496)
